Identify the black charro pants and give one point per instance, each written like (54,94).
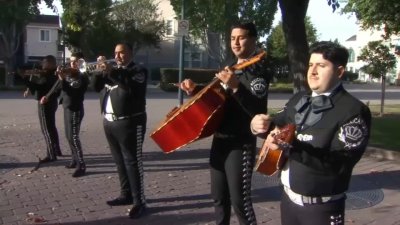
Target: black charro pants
(47,120)
(125,138)
(232,164)
(330,213)
(72,124)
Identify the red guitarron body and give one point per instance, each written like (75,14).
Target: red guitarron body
(197,118)
(270,161)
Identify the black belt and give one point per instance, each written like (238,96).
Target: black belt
(112,117)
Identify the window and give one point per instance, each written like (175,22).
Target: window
(170,28)
(45,35)
(193,59)
(351,55)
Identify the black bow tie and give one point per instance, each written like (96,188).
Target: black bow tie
(309,110)
(318,103)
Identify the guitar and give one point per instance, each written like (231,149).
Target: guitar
(197,118)
(270,161)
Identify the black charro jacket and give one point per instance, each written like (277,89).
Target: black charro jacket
(251,98)
(325,153)
(126,88)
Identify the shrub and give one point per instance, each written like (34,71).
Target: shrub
(155,74)
(2,76)
(350,76)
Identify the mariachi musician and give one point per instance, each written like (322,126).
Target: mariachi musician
(333,129)
(73,85)
(123,106)
(39,83)
(233,147)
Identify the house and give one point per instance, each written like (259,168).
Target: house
(41,38)
(167,55)
(358,41)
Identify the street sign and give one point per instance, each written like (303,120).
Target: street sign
(183,28)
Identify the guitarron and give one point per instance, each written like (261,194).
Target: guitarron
(198,117)
(270,161)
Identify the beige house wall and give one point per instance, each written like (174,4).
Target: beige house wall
(37,48)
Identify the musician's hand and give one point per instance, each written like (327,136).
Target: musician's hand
(102,64)
(188,86)
(26,93)
(271,142)
(260,123)
(43,100)
(60,73)
(228,77)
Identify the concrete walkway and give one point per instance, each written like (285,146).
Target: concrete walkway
(176,184)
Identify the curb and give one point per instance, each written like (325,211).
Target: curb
(382,154)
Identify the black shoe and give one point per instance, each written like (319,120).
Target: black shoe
(80,171)
(47,159)
(137,211)
(120,201)
(71,165)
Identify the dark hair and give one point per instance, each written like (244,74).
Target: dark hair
(50,59)
(127,44)
(331,51)
(78,55)
(247,26)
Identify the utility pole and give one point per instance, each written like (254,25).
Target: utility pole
(181,56)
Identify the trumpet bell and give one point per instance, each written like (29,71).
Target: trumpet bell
(84,66)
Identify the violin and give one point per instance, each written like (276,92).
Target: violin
(32,72)
(71,72)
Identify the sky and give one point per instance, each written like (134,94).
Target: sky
(330,25)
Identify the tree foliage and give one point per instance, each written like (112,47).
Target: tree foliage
(13,18)
(378,59)
(211,20)
(94,27)
(137,20)
(375,14)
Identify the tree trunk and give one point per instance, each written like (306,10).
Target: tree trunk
(383,85)
(293,15)
(8,75)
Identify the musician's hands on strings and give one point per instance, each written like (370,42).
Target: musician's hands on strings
(260,123)
(228,77)
(43,100)
(60,73)
(26,93)
(271,142)
(187,85)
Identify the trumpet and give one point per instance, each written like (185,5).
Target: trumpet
(84,66)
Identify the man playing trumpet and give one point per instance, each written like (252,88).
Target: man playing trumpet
(123,105)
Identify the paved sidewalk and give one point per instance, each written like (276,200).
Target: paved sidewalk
(176,184)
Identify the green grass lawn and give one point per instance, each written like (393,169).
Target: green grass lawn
(385,130)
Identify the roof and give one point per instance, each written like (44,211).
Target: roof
(352,38)
(46,19)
